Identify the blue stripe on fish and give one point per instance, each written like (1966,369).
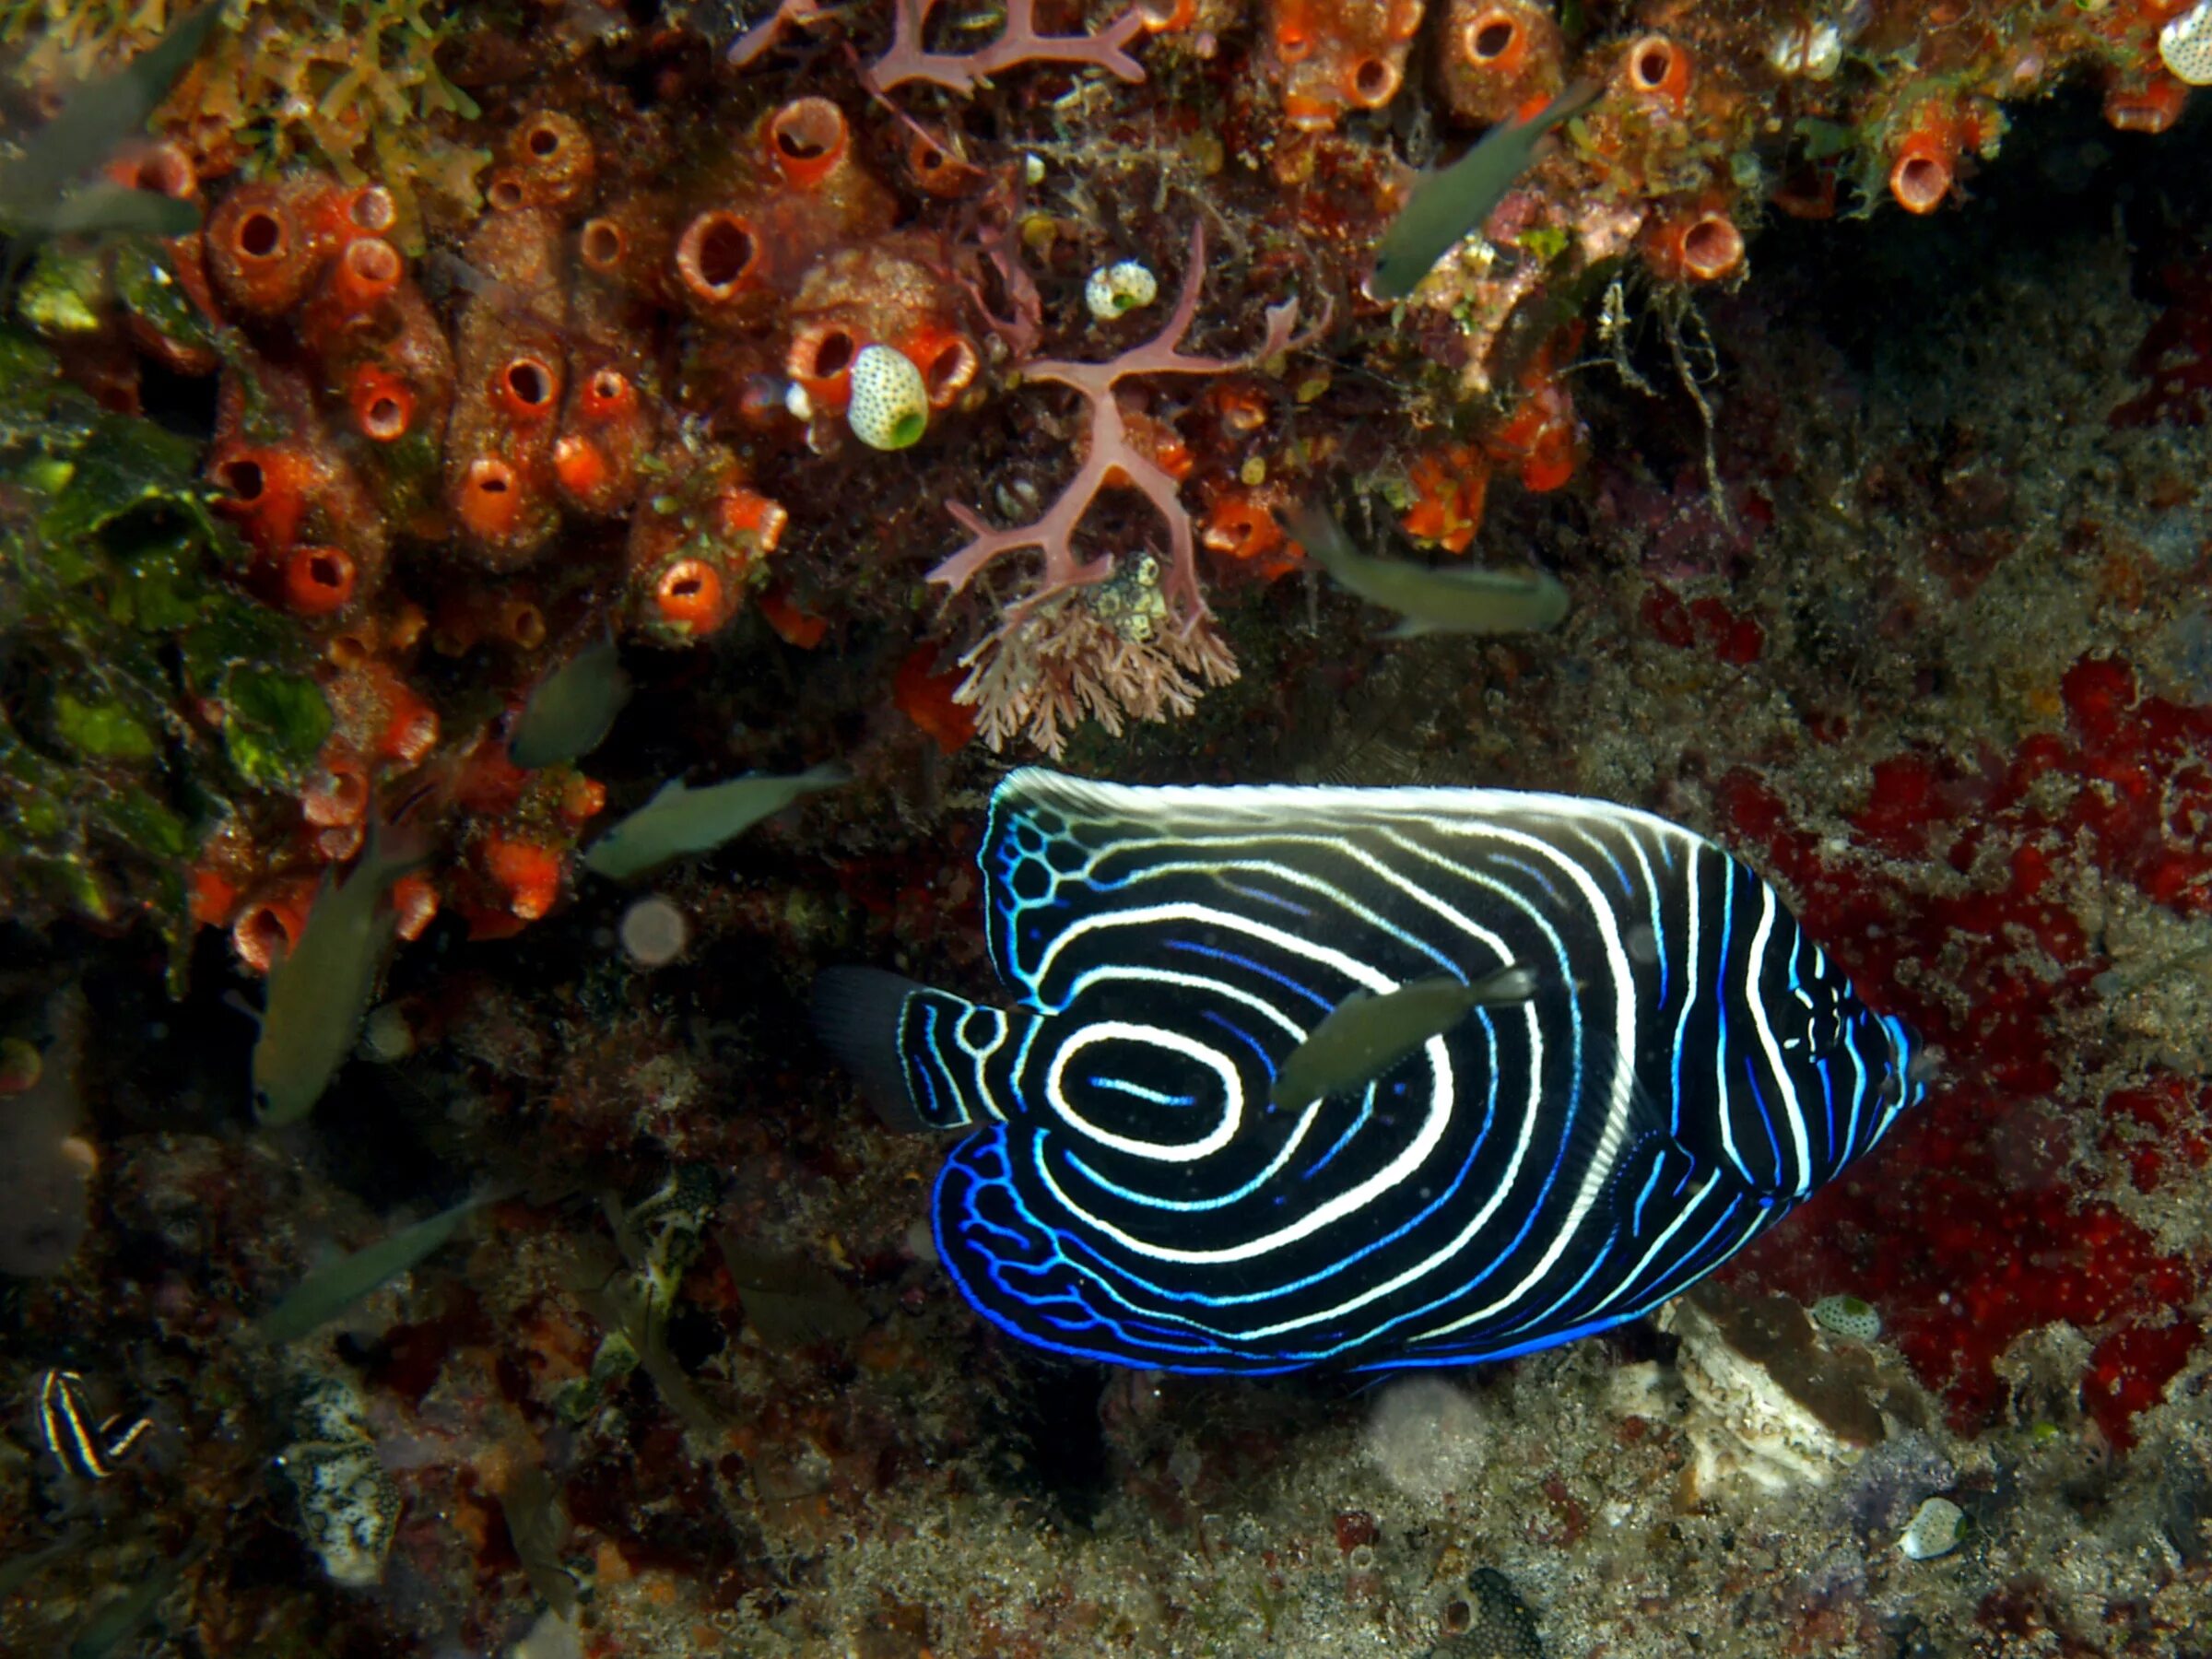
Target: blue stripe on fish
(1540,1171)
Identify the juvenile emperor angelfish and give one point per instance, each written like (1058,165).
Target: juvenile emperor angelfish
(1685,1067)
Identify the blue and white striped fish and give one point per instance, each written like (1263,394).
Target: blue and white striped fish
(1689,1067)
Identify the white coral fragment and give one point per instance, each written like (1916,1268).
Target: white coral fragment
(1745,1423)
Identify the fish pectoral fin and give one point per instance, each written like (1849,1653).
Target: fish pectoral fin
(1512,984)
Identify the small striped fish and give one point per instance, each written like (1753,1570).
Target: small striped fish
(1688,1066)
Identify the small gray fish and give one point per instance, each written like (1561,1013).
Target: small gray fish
(104,209)
(680,821)
(573,708)
(1430,598)
(100,115)
(319,991)
(122,1617)
(329,1290)
(1444,206)
(1365,1035)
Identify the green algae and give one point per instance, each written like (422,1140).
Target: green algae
(142,699)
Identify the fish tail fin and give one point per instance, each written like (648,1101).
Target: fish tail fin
(858,1014)
(925,1058)
(394,849)
(828,774)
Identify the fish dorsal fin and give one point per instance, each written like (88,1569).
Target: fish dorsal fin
(1296,894)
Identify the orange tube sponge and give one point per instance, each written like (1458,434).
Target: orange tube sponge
(488,500)
(548,161)
(1924,166)
(807,142)
(719,261)
(2149,102)
(382,403)
(167,169)
(1240,524)
(1693,242)
(629,246)
(1334,55)
(690,598)
(1451,488)
(926,698)
(355,287)
(507,372)
(606,434)
(391,377)
(810,193)
(265,488)
(408,731)
(937,171)
(527,872)
(947,358)
(526,389)
(888,292)
(270,921)
(264,251)
(266,243)
(319,582)
(690,565)
(1656,70)
(414,905)
(1543,437)
(1495,55)
(339,790)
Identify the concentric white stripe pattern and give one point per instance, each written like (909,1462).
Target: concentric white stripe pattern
(1690,1067)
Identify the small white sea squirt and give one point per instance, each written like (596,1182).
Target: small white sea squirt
(890,402)
(2185,44)
(1117,289)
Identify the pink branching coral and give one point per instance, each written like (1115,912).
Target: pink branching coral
(1111,456)
(908,60)
(1019,43)
(1115,635)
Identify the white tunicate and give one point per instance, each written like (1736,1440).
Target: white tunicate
(2185,44)
(1428,1439)
(1847,1316)
(890,403)
(1934,1530)
(1117,289)
(387,1035)
(654,932)
(349,1506)
(798,403)
(1805,50)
